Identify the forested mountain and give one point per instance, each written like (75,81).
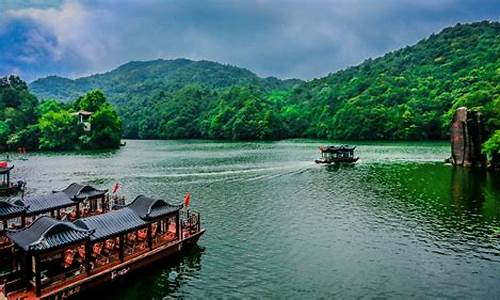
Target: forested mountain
(408,94)
(145,79)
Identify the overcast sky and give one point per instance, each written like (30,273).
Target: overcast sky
(283,38)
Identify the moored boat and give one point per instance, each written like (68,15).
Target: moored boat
(343,154)
(56,259)
(71,203)
(8,188)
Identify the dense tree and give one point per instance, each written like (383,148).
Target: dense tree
(17,113)
(58,131)
(51,125)
(106,129)
(492,147)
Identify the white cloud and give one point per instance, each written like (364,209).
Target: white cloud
(72,26)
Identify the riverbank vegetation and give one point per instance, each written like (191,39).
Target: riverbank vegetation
(51,125)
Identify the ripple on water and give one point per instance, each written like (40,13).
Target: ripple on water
(398,224)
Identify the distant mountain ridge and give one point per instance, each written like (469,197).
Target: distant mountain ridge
(145,78)
(406,94)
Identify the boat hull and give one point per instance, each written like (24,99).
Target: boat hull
(118,271)
(337,161)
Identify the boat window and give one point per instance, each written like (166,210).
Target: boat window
(14,223)
(56,267)
(164,231)
(135,242)
(104,253)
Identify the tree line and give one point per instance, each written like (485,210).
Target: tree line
(51,125)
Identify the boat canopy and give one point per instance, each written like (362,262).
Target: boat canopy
(6,169)
(148,208)
(79,192)
(336,149)
(47,233)
(111,224)
(38,204)
(10,210)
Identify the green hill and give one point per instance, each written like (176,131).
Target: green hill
(410,93)
(148,78)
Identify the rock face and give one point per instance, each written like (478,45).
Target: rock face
(467,133)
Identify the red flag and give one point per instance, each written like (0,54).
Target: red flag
(116,187)
(187,198)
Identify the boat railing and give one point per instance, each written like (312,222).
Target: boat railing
(190,222)
(14,281)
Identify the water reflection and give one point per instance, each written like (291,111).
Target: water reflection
(397,224)
(165,277)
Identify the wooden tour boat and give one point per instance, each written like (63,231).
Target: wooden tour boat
(343,154)
(71,203)
(8,188)
(56,259)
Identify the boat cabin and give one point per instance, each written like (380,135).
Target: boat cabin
(6,186)
(341,154)
(51,255)
(73,202)
(5,174)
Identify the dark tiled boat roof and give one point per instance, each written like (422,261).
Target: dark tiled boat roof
(149,208)
(111,223)
(48,233)
(9,210)
(36,204)
(340,148)
(6,170)
(79,192)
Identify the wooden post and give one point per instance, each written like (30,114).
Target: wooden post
(178,231)
(102,205)
(122,254)
(199,222)
(150,237)
(38,278)
(78,210)
(88,249)
(23,221)
(8,179)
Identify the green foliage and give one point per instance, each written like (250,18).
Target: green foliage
(492,147)
(408,94)
(60,128)
(51,125)
(90,101)
(106,130)
(140,80)
(49,105)
(58,131)
(411,93)
(17,112)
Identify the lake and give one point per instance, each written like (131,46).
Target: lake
(399,223)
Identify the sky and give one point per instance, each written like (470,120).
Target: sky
(283,38)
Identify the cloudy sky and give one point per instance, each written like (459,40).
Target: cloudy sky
(283,38)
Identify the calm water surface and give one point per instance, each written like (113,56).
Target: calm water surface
(398,224)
